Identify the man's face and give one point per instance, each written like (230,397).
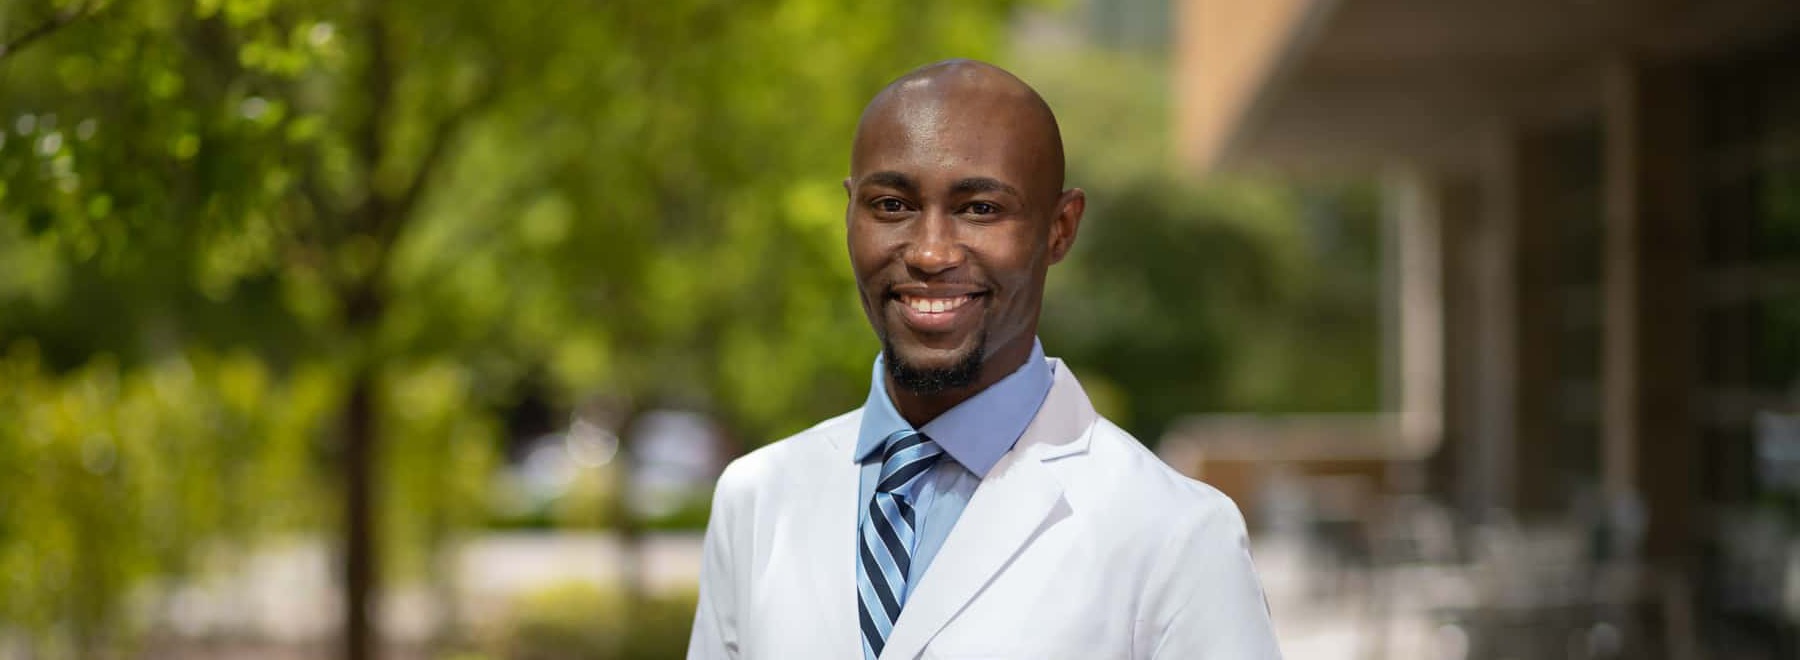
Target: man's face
(953,221)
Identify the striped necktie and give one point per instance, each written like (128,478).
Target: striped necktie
(886,539)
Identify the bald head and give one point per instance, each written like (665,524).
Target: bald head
(970,96)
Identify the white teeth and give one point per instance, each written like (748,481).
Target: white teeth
(934,305)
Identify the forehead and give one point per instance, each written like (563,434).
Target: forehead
(947,138)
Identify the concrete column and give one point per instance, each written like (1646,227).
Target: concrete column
(1480,258)
(1494,268)
(1511,248)
(1648,318)
(1458,468)
(1412,328)
(1539,479)
(1415,299)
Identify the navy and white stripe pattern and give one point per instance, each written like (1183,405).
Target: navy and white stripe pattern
(886,539)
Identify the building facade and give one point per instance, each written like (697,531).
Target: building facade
(1595,210)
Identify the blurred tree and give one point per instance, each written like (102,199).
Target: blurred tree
(109,476)
(57,18)
(1189,295)
(422,203)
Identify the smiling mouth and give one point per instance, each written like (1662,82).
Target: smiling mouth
(938,314)
(929,305)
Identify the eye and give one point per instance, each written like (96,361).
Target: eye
(888,205)
(982,208)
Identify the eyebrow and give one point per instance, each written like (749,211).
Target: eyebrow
(966,186)
(982,184)
(894,180)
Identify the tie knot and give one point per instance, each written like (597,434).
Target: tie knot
(908,455)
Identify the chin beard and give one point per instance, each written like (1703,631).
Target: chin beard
(934,381)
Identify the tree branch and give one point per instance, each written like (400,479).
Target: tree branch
(56,22)
(441,137)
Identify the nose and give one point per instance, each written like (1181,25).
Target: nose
(934,247)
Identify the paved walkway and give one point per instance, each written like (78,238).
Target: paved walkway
(287,596)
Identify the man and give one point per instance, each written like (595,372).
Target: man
(976,506)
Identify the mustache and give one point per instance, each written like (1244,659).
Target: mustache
(933,286)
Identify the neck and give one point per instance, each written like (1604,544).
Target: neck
(918,409)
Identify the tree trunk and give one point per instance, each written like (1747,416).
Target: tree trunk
(373,218)
(361,577)
(625,522)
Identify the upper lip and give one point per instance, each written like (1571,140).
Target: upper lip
(935,290)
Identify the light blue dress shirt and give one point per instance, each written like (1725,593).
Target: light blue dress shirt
(974,435)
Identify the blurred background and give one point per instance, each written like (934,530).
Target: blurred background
(404,329)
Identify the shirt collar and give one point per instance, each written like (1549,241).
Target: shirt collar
(978,431)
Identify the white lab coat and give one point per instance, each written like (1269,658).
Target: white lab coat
(1079,544)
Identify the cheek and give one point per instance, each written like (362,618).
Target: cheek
(1026,265)
(864,259)
(1015,260)
(870,258)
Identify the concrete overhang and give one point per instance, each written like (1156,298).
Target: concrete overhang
(1355,84)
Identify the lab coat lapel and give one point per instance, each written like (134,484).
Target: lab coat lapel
(1017,500)
(829,537)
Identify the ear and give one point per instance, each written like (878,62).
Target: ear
(849,202)
(1067,223)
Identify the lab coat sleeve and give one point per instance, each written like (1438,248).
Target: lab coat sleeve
(716,618)
(1205,602)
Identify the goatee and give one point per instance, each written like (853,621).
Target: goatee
(934,381)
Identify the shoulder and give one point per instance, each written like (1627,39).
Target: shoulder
(1187,538)
(1114,475)
(758,469)
(1138,494)
(1121,467)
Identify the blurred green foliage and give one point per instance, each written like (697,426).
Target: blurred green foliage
(1185,296)
(401,215)
(224,221)
(111,475)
